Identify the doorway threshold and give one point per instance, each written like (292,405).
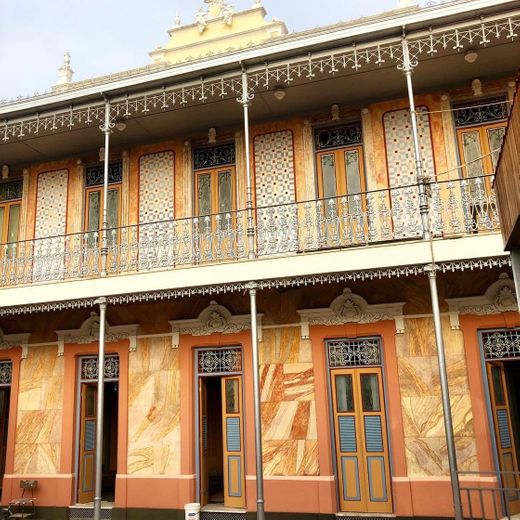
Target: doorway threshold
(221,508)
(105,504)
(365,516)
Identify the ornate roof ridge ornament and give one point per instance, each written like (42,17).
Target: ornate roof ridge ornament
(214,318)
(65,72)
(215,9)
(499,297)
(351,308)
(89,333)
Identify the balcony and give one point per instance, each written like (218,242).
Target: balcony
(457,208)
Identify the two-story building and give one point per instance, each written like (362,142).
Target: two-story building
(323,177)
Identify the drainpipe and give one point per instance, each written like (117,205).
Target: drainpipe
(253,288)
(245,101)
(431,269)
(102,302)
(106,128)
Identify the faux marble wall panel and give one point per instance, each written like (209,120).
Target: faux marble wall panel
(154,409)
(288,404)
(51,212)
(426,452)
(39,420)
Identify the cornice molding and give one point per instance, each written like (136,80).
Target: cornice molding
(8,341)
(499,297)
(213,319)
(351,308)
(89,333)
(274,283)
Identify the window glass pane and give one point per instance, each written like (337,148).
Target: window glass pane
(225,193)
(232,397)
(204,194)
(94,200)
(344,394)
(353,171)
(90,401)
(14,219)
(498,389)
(113,208)
(496,137)
(370,392)
(329,175)
(472,151)
(2,213)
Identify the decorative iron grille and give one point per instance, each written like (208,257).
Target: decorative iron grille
(6,373)
(84,513)
(90,368)
(490,112)
(214,156)
(354,352)
(335,137)
(219,361)
(94,175)
(501,344)
(11,190)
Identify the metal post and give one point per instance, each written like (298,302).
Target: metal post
(431,270)
(100,401)
(407,69)
(253,287)
(107,129)
(245,100)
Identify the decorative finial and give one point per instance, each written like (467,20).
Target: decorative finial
(177,19)
(65,72)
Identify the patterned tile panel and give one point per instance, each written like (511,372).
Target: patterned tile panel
(156,192)
(274,169)
(402,168)
(274,179)
(400,149)
(51,206)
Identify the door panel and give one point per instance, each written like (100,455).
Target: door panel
(203,442)
(233,434)
(504,432)
(361,440)
(87,443)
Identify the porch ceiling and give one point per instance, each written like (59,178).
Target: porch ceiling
(353,90)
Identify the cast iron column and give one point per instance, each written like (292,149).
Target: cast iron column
(431,270)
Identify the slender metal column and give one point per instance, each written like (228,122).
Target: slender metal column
(107,130)
(245,100)
(100,401)
(515,261)
(431,270)
(253,287)
(407,68)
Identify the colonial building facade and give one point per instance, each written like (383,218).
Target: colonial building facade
(300,196)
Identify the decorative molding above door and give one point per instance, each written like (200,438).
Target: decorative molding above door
(351,308)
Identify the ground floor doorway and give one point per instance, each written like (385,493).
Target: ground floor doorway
(87,419)
(6,371)
(502,354)
(221,428)
(359,426)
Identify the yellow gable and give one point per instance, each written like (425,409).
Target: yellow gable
(217,30)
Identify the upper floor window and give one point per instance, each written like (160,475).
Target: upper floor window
(94,196)
(339,158)
(214,179)
(480,132)
(10,201)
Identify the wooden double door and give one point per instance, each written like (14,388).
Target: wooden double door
(221,441)
(361,440)
(504,392)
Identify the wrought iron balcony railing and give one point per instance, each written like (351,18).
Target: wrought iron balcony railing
(457,208)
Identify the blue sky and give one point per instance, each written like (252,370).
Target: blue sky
(105,36)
